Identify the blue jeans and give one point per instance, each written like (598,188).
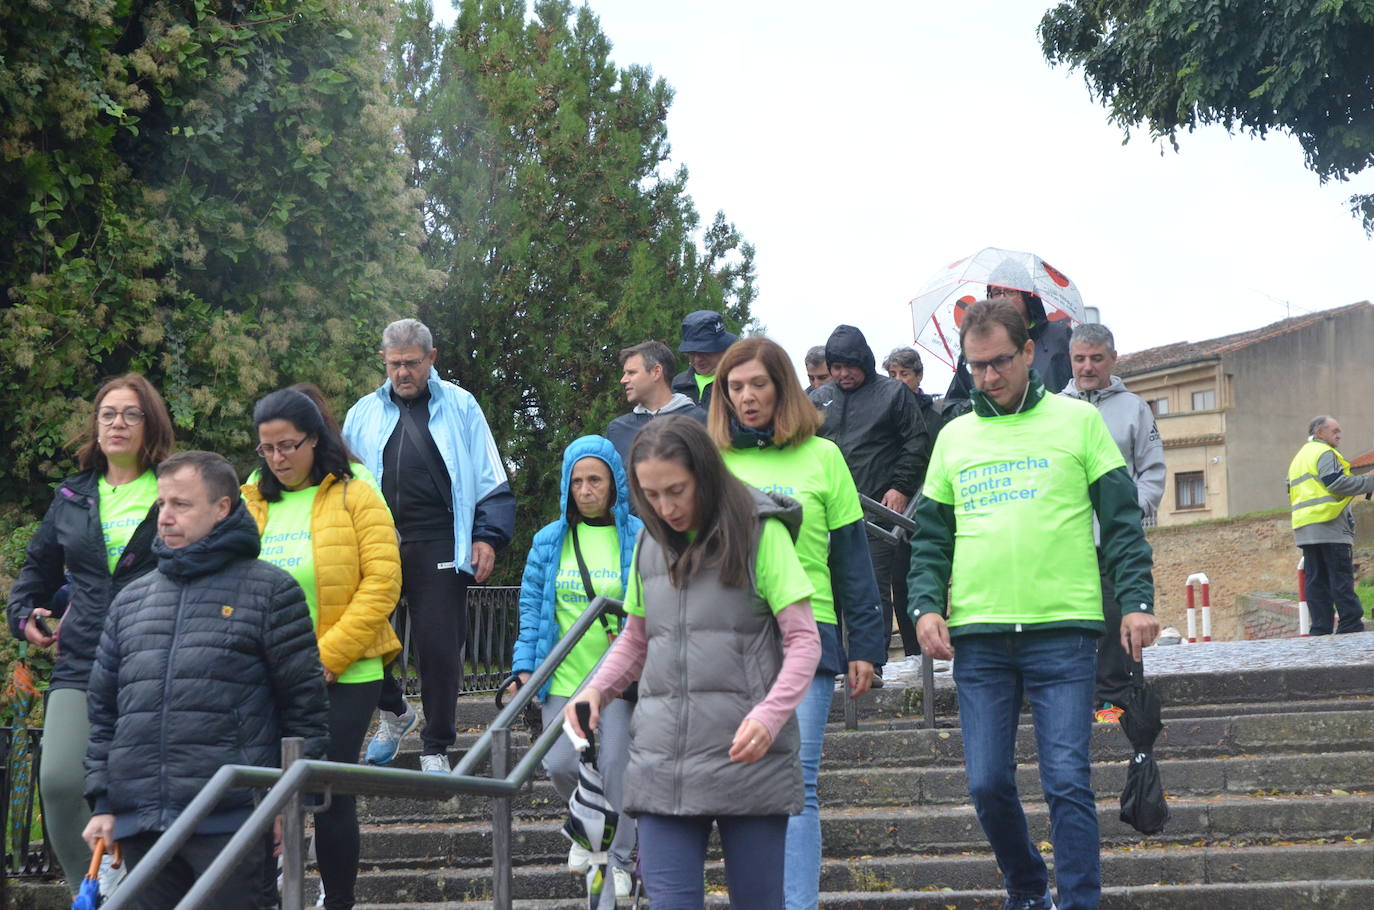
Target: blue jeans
(802,870)
(1054,669)
(672,856)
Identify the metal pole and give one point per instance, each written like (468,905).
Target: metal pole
(928,690)
(503,880)
(293,833)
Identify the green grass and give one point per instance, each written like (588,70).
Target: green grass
(1365,590)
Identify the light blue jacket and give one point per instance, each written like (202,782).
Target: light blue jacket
(461,434)
(538,620)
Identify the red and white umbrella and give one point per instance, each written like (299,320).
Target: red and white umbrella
(938,308)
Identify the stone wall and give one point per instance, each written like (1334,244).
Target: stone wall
(1267,616)
(1239,556)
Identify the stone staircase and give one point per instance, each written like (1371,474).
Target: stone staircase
(1269,770)
(1270,775)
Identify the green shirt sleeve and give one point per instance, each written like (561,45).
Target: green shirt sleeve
(634,601)
(937,485)
(1100,450)
(842,497)
(778,574)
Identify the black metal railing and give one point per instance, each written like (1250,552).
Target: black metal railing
(493,622)
(21,750)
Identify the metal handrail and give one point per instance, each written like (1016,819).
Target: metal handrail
(323,777)
(874,511)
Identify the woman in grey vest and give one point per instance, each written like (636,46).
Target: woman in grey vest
(721,638)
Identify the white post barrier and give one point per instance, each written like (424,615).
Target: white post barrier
(1304,615)
(1201,579)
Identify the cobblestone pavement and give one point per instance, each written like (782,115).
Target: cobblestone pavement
(1216,657)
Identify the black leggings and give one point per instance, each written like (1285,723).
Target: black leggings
(336,831)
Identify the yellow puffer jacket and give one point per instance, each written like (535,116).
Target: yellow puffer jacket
(357,570)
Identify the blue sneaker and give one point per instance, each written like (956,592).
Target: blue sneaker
(1030,903)
(387,740)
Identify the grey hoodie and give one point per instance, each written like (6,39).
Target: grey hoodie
(1132,426)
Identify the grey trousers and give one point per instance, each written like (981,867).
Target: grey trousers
(613,753)
(62,778)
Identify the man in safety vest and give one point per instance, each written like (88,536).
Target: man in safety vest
(1320,489)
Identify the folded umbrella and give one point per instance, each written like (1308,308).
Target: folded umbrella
(591,821)
(1143,805)
(88,896)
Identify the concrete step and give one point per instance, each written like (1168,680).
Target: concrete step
(943,785)
(903,831)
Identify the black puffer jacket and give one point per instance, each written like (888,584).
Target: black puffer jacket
(70,542)
(210,660)
(877,426)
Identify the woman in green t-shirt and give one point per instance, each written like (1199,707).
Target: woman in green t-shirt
(766,432)
(584,553)
(95,538)
(334,535)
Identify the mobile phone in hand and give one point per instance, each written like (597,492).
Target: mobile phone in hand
(40,623)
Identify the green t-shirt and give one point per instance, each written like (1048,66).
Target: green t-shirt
(287,543)
(702,383)
(601,551)
(122,510)
(1023,542)
(815,475)
(778,574)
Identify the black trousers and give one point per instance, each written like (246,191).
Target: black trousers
(189,864)
(336,831)
(901,604)
(885,566)
(436,604)
(1331,588)
(1113,664)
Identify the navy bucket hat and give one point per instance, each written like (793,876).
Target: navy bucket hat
(703,332)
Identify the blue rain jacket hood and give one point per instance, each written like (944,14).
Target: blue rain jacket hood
(538,594)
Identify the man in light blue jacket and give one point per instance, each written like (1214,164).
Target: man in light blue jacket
(428,444)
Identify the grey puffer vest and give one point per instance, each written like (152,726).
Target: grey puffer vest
(714,652)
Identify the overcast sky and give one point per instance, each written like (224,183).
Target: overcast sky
(861,148)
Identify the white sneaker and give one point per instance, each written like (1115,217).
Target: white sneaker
(579,859)
(624,881)
(386,742)
(434,764)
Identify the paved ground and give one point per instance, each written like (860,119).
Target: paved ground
(1218,657)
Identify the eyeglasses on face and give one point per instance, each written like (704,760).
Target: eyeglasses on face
(267,450)
(132,416)
(997,364)
(408,365)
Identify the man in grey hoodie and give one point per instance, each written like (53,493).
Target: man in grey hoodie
(1092,353)
(647,369)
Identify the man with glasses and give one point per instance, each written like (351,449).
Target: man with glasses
(427,442)
(1007,516)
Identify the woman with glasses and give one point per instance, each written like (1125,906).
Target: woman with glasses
(95,538)
(766,432)
(334,535)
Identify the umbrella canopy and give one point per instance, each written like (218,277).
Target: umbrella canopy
(591,821)
(1143,805)
(937,310)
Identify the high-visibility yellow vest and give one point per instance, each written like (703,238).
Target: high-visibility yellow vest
(1311,502)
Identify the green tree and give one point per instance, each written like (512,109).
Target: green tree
(1298,66)
(547,205)
(209,192)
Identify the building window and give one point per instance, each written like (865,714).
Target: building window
(1205,400)
(1190,490)
(1158,406)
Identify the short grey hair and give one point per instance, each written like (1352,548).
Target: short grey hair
(1317,423)
(907,358)
(816,356)
(1095,334)
(215,471)
(407,333)
(653,354)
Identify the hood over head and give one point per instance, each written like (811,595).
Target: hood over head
(596,447)
(847,345)
(1012,274)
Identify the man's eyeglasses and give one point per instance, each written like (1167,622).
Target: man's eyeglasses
(995,291)
(267,450)
(408,365)
(997,364)
(132,416)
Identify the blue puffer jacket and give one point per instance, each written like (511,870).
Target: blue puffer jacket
(538,621)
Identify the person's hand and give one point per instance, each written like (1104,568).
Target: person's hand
(513,688)
(329,677)
(860,677)
(1138,630)
(483,559)
(933,634)
(896,501)
(751,742)
(590,696)
(31,633)
(100,826)
(276,836)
